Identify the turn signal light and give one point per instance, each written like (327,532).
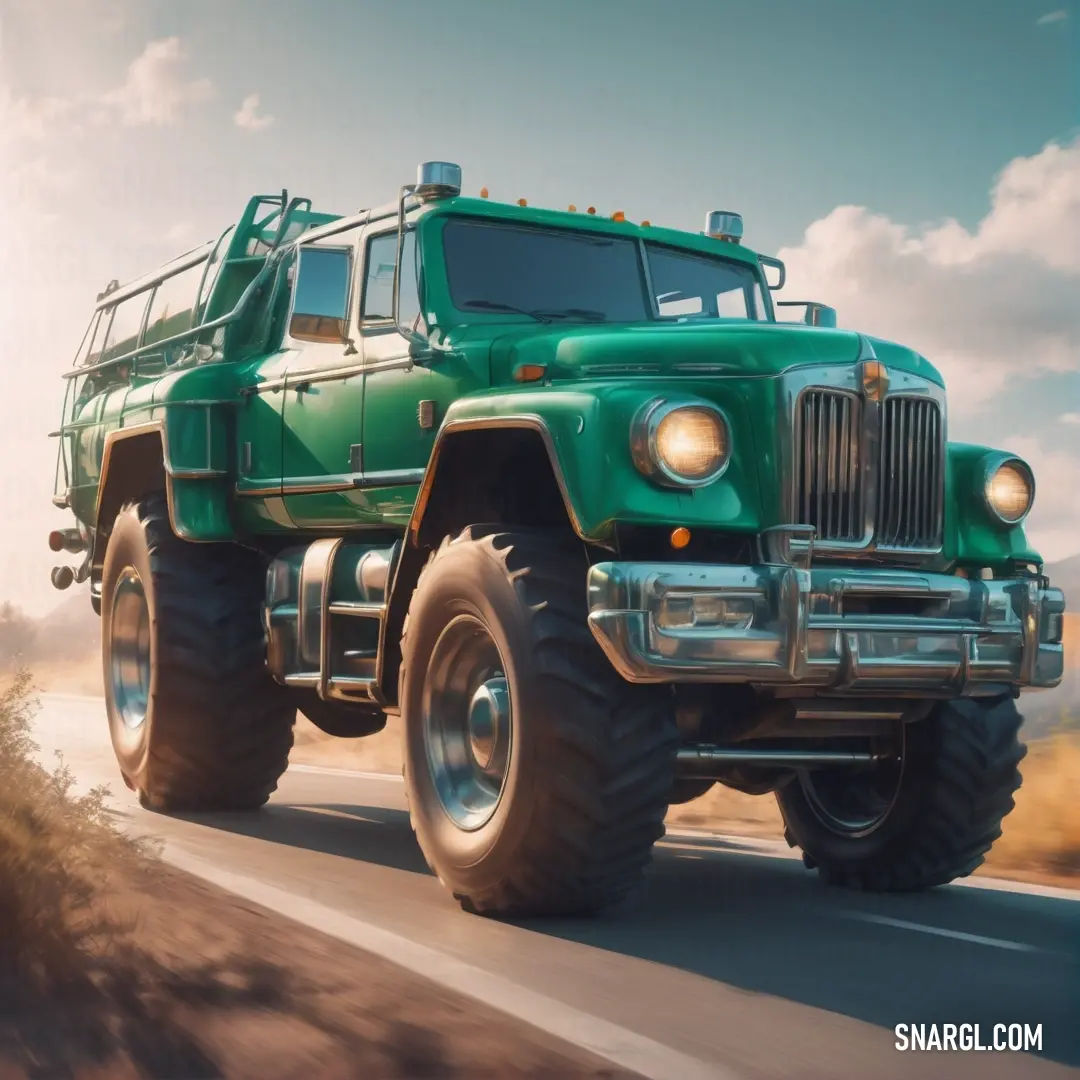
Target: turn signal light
(680,537)
(529,372)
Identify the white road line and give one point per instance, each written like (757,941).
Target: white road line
(616,1044)
(937,931)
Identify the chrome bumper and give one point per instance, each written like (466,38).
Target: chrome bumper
(858,630)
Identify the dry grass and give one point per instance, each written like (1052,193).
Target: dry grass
(54,846)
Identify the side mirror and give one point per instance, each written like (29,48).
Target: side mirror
(816,314)
(767,261)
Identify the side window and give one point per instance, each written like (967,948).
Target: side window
(123,334)
(378,300)
(321,295)
(172,309)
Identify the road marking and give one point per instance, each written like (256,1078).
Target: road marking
(616,1044)
(938,931)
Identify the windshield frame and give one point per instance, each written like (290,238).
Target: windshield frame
(651,303)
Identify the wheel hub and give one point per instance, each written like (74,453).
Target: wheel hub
(129,667)
(468,729)
(489,714)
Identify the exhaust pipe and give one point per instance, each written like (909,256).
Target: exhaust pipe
(700,758)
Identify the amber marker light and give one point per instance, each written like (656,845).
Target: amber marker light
(618,216)
(529,372)
(572,208)
(680,537)
(522,202)
(483,193)
(591,210)
(646,223)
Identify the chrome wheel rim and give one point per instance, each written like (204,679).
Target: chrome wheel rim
(129,665)
(467,720)
(854,803)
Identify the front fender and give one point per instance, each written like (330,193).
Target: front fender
(586,430)
(973,536)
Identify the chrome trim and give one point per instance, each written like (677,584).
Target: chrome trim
(695,758)
(992,463)
(972,637)
(645,453)
(319,485)
(846,379)
(392,478)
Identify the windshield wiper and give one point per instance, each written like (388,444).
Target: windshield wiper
(492,305)
(588,314)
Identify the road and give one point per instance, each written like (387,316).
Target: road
(735,959)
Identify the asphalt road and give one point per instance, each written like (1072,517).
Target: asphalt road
(734,955)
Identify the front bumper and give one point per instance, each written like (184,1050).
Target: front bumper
(840,630)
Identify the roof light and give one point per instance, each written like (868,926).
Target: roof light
(618,216)
(523,202)
(483,193)
(572,208)
(724,225)
(646,223)
(591,210)
(437,180)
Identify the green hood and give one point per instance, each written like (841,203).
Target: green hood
(753,348)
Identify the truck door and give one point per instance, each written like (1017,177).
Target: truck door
(404,402)
(323,416)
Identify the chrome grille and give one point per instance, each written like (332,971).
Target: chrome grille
(829,483)
(837,490)
(910,484)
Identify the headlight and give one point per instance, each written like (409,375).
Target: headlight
(680,444)
(1009,489)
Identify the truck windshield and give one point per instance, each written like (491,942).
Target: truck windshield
(561,275)
(548,273)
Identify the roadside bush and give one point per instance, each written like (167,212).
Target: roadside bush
(56,848)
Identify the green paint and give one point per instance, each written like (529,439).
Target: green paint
(262,417)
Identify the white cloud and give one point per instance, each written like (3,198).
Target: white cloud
(1070,418)
(179,233)
(247,116)
(1052,17)
(157,89)
(986,306)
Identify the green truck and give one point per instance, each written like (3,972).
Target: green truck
(561,492)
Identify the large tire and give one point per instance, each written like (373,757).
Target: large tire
(590,760)
(956,782)
(197,722)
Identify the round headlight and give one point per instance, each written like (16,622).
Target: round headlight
(1009,490)
(686,445)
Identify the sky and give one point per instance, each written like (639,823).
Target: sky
(917,165)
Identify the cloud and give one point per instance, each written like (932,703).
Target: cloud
(991,307)
(1052,17)
(247,116)
(986,306)
(156,90)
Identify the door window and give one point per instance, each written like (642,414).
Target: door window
(321,295)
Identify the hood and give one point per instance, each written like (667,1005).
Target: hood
(750,348)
